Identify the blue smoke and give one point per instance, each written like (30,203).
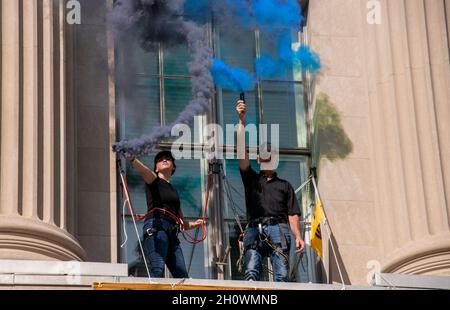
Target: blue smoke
(308,59)
(265,14)
(267,67)
(277,13)
(286,60)
(276,19)
(236,79)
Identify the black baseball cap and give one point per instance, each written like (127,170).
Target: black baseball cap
(165,154)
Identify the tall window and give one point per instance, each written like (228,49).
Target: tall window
(278,102)
(157,90)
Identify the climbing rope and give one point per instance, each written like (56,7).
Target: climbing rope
(127,201)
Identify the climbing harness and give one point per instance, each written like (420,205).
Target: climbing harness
(263,237)
(166,213)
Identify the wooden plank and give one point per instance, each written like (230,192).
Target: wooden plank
(166,287)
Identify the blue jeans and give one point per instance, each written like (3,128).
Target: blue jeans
(163,248)
(256,249)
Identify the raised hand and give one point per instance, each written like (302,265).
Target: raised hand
(241,109)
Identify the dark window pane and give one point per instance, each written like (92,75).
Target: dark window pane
(234,191)
(133,57)
(176,59)
(270,45)
(187,182)
(177,94)
(237,50)
(283,105)
(141,107)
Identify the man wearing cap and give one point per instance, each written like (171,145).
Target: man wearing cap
(272,208)
(161,242)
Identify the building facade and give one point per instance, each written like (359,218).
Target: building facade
(375,123)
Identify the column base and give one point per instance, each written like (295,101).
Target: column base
(31,239)
(428,256)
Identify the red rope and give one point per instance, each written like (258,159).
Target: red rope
(189,238)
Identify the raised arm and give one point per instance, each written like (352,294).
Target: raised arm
(244,162)
(148,175)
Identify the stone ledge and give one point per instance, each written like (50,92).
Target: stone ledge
(412,281)
(70,268)
(16,274)
(120,283)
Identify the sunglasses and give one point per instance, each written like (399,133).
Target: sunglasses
(164,158)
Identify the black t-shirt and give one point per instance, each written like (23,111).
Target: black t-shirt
(274,198)
(161,194)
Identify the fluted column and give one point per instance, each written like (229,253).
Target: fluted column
(48,125)
(33,166)
(30,109)
(389,200)
(11,62)
(438,19)
(409,85)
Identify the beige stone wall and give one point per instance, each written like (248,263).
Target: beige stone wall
(94,132)
(388,199)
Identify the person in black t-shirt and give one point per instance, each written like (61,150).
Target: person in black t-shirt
(161,242)
(272,208)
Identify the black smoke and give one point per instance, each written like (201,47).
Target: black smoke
(154,22)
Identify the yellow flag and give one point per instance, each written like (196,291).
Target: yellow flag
(316,236)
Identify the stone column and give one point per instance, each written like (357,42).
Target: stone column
(411,79)
(32,179)
(389,200)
